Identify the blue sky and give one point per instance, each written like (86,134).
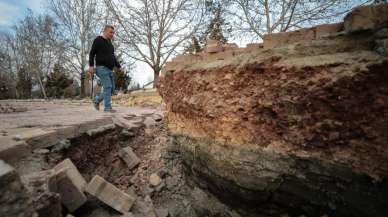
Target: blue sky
(13,10)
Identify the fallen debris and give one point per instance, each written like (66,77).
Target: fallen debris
(161,212)
(110,195)
(46,203)
(129,157)
(14,198)
(69,183)
(100,129)
(155,180)
(126,134)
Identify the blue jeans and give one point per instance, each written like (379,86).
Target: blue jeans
(113,79)
(105,75)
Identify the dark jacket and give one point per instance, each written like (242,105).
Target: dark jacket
(103,51)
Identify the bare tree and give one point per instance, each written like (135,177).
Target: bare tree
(37,46)
(155,29)
(79,19)
(267,16)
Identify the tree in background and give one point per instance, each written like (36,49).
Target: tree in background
(7,77)
(80,23)
(193,47)
(57,82)
(37,45)
(123,79)
(215,26)
(262,17)
(24,83)
(155,29)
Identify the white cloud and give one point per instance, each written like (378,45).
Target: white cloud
(7,13)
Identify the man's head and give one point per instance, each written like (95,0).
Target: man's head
(109,31)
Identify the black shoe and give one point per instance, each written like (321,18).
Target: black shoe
(96,105)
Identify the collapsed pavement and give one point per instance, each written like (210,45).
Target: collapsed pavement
(103,165)
(295,126)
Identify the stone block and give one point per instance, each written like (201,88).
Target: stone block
(382,46)
(383,33)
(230,46)
(129,157)
(100,129)
(214,48)
(84,127)
(11,151)
(254,46)
(110,195)
(72,197)
(282,38)
(14,197)
(39,138)
(161,212)
(74,174)
(370,17)
(126,124)
(179,58)
(69,183)
(328,29)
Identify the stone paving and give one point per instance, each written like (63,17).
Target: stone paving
(44,123)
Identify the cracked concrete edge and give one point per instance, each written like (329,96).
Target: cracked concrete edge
(31,139)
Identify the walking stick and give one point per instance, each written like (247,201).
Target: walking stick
(92,93)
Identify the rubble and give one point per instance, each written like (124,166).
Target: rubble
(69,184)
(46,203)
(11,151)
(129,157)
(161,212)
(14,198)
(101,129)
(155,180)
(366,18)
(110,195)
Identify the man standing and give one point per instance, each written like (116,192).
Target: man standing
(103,51)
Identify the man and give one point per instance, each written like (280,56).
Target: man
(103,51)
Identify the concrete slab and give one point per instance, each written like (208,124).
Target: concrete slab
(45,123)
(11,150)
(72,196)
(110,195)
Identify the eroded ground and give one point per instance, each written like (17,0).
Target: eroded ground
(92,141)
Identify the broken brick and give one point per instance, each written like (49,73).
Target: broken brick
(129,157)
(69,183)
(110,195)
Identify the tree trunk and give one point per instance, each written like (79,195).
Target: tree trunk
(42,86)
(82,83)
(156,76)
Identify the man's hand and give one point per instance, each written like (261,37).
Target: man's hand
(91,70)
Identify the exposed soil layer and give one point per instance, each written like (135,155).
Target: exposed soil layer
(98,155)
(298,129)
